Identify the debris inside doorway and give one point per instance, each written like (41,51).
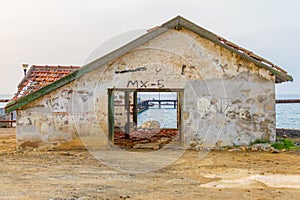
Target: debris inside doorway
(143,136)
(151,124)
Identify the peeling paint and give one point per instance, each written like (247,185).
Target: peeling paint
(227,99)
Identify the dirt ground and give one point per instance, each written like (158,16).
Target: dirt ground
(78,175)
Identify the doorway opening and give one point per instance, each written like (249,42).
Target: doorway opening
(144,116)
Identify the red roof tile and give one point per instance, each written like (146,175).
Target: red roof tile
(40,76)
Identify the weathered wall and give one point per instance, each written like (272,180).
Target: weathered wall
(227,100)
(120,113)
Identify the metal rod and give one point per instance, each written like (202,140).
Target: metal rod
(278,101)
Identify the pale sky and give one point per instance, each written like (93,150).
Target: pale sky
(65,32)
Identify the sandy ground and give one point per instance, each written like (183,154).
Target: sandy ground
(78,175)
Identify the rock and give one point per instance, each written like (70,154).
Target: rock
(151,124)
(124,196)
(244,148)
(154,146)
(273,150)
(164,140)
(236,142)
(284,136)
(254,148)
(65,153)
(194,145)
(218,148)
(261,147)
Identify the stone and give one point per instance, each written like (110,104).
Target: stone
(164,140)
(263,98)
(151,124)
(65,153)
(245,115)
(273,150)
(250,101)
(261,147)
(269,108)
(244,148)
(232,115)
(154,146)
(254,148)
(236,101)
(213,101)
(236,142)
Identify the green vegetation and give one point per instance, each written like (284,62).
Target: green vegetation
(285,144)
(260,141)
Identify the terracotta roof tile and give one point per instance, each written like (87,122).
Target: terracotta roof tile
(39,76)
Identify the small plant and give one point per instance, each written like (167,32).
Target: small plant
(284,144)
(260,141)
(227,147)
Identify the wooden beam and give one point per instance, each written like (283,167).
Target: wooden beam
(111,124)
(180,97)
(127,108)
(135,108)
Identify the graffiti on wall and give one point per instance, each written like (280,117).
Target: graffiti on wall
(145,84)
(59,103)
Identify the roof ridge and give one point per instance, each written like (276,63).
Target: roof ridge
(56,66)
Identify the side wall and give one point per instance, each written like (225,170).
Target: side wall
(227,100)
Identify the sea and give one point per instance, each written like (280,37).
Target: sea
(2,105)
(287,115)
(166,116)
